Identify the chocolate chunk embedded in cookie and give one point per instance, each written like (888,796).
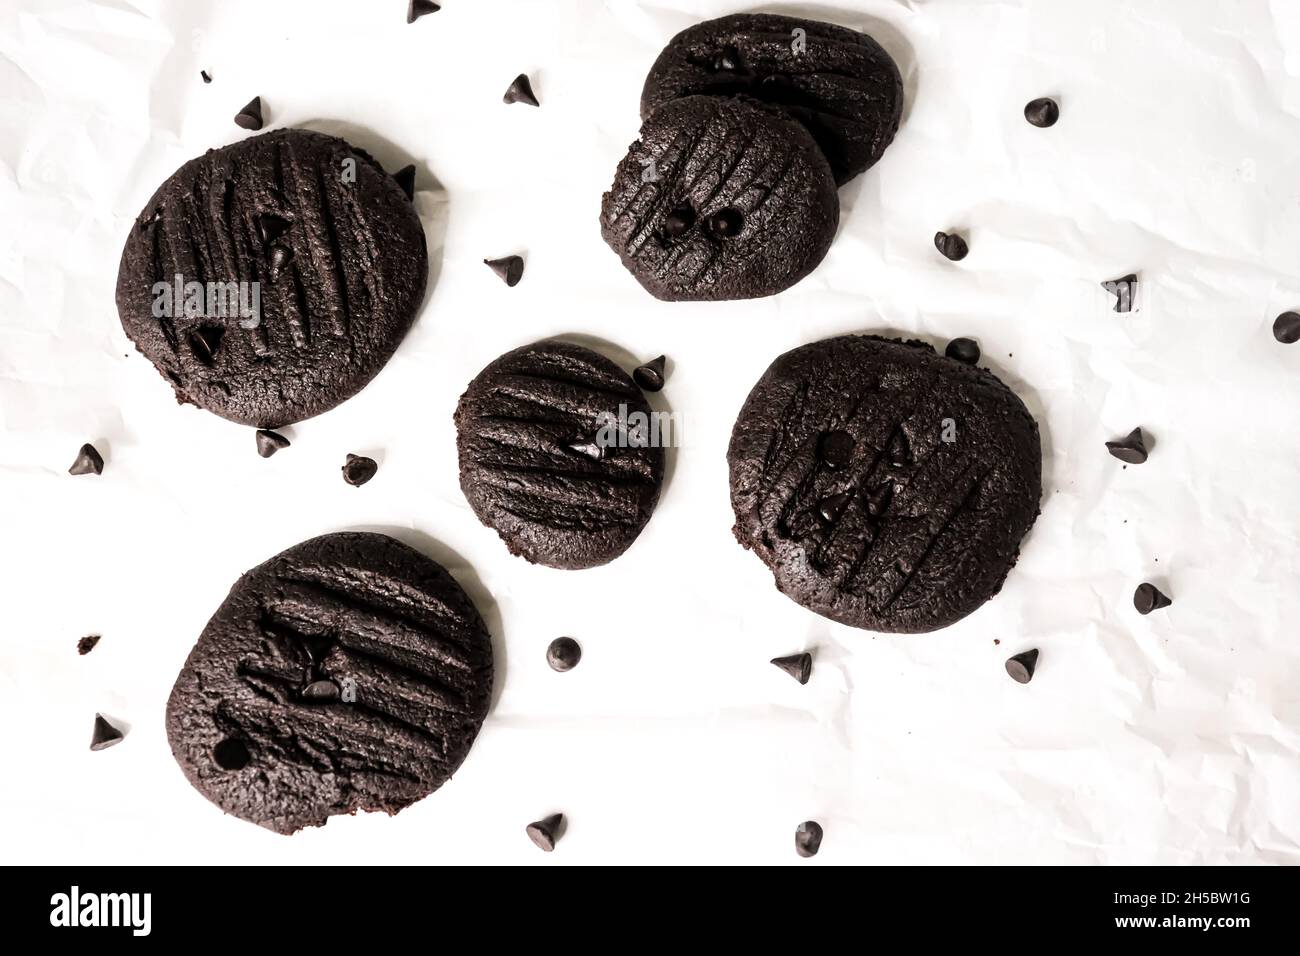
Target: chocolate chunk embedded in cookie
(301,265)
(839,83)
(720,198)
(933,466)
(347,673)
(559,454)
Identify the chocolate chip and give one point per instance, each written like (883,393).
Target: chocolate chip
(1131,449)
(510,269)
(963,350)
(545,832)
(271,227)
(104,735)
(726,223)
(87,644)
(808,838)
(831,507)
(231,753)
(650,376)
(205,341)
(679,222)
(563,654)
(589,449)
(1021,667)
(726,60)
(521,91)
(405,178)
(798,666)
(359,469)
(952,246)
(250,117)
(88,462)
(835,448)
(269,442)
(1042,112)
(1124,290)
(900,451)
(1148,598)
(207,77)
(321,690)
(277,258)
(1286,327)
(420,8)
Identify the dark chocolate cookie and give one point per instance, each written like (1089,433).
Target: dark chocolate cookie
(559,454)
(886,486)
(308,264)
(720,198)
(347,673)
(837,82)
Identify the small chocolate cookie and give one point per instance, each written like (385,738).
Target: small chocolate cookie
(347,673)
(302,266)
(559,454)
(886,486)
(839,83)
(720,198)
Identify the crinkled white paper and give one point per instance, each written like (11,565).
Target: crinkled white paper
(1171,738)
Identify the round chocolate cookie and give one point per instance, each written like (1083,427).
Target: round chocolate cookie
(841,84)
(559,454)
(347,673)
(886,486)
(720,198)
(301,264)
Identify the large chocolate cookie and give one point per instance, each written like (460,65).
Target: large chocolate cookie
(347,673)
(308,264)
(886,486)
(839,83)
(720,198)
(559,454)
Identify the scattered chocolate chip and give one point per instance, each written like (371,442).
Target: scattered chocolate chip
(726,60)
(1148,598)
(650,376)
(359,469)
(269,442)
(321,690)
(420,8)
(406,179)
(1021,667)
(831,507)
(1042,112)
(87,644)
(545,832)
(726,223)
(679,222)
(963,350)
(1286,327)
(104,734)
(808,838)
(1131,449)
(521,91)
(231,753)
(1124,290)
(509,270)
(798,666)
(563,654)
(952,246)
(207,77)
(271,227)
(250,117)
(835,448)
(88,462)
(277,258)
(591,449)
(204,342)
(900,450)
(878,501)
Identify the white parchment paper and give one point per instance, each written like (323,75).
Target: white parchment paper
(1171,738)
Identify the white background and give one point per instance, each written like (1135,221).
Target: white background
(1171,738)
